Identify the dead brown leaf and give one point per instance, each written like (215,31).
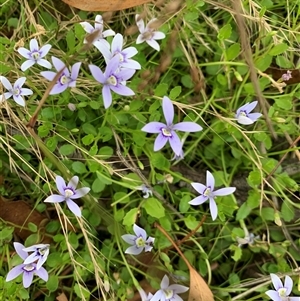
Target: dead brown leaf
(62,297)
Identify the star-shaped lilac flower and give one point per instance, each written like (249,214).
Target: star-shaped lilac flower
(66,78)
(40,254)
(166,132)
(28,270)
(148,34)
(281,292)
(15,91)
(35,55)
(125,55)
(244,116)
(112,79)
(68,193)
(169,292)
(139,241)
(101,35)
(208,193)
(144,296)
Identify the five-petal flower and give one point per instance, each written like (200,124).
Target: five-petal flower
(66,79)
(40,254)
(112,79)
(125,55)
(148,33)
(101,35)
(281,292)
(15,91)
(35,55)
(68,193)
(244,116)
(208,193)
(169,292)
(166,132)
(28,270)
(139,241)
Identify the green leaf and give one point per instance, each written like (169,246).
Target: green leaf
(264,62)
(284,103)
(237,253)
(88,139)
(253,199)
(254,178)
(79,167)
(121,197)
(105,152)
(233,51)
(98,186)
(284,62)
(24,294)
(70,38)
(184,205)
(32,227)
(278,49)
(82,292)
(104,178)
(191,222)
(67,149)
(130,217)
(89,129)
(52,283)
(154,208)
(243,211)
(191,16)
(175,92)
(161,90)
(287,211)
(95,105)
(159,161)
(6,233)
(225,32)
(267,214)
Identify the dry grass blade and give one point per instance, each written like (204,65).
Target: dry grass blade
(199,290)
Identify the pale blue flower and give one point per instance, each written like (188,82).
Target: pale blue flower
(35,55)
(138,242)
(40,254)
(15,91)
(208,193)
(244,116)
(68,193)
(145,190)
(166,132)
(28,270)
(169,292)
(144,296)
(286,76)
(148,33)
(281,292)
(249,239)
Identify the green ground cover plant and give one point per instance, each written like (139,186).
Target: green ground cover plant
(150,153)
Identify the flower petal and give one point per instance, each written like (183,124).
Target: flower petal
(5,82)
(25,91)
(27,64)
(108,33)
(254,116)
(19,82)
(45,49)
(97,74)
(19,100)
(125,74)
(139,231)
(168,110)
(198,200)
(33,44)
(140,39)
(288,284)
(131,64)
(24,52)
(210,180)
(153,127)
(122,90)
(49,75)
(60,185)
(274,295)
(158,35)
(117,43)
(58,88)
(27,278)
(140,23)
(112,66)
(187,126)
(224,191)
(251,106)
(153,44)
(44,63)
(107,98)
(14,272)
(178,289)
(79,193)
(130,52)
(213,208)
(129,238)
(58,64)
(42,273)
(134,250)
(199,187)
(73,182)
(175,143)
(276,281)
(87,27)
(244,120)
(73,207)
(164,282)
(160,142)
(157,296)
(19,249)
(55,198)
(75,70)
(31,258)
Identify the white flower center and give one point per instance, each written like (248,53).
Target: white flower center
(243,114)
(28,268)
(147,35)
(121,56)
(64,79)
(168,294)
(16,91)
(166,132)
(35,55)
(207,191)
(282,292)
(42,251)
(68,193)
(112,80)
(140,242)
